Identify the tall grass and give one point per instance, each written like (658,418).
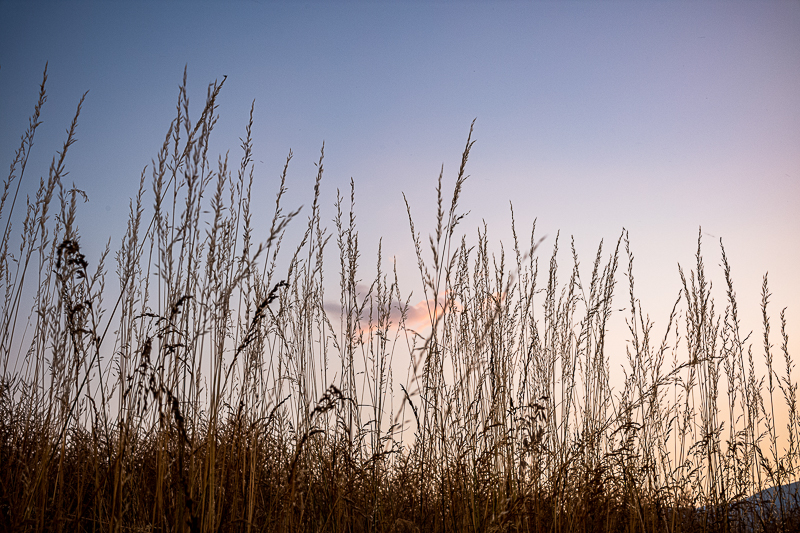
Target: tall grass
(213,388)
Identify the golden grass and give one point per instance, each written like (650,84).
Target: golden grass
(216,393)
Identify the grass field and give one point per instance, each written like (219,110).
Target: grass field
(195,378)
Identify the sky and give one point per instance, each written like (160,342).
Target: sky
(658,117)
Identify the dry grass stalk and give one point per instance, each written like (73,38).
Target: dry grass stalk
(218,394)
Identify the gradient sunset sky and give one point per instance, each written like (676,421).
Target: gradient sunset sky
(659,117)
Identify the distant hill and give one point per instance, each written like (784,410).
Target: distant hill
(775,505)
(786,496)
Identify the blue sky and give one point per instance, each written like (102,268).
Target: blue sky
(659,117)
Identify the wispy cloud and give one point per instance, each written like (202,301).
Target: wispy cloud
(418,316)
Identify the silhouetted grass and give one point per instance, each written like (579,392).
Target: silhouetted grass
(211,390)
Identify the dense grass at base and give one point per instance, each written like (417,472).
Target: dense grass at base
(213,389)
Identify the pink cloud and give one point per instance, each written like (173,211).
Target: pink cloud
(418,317)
